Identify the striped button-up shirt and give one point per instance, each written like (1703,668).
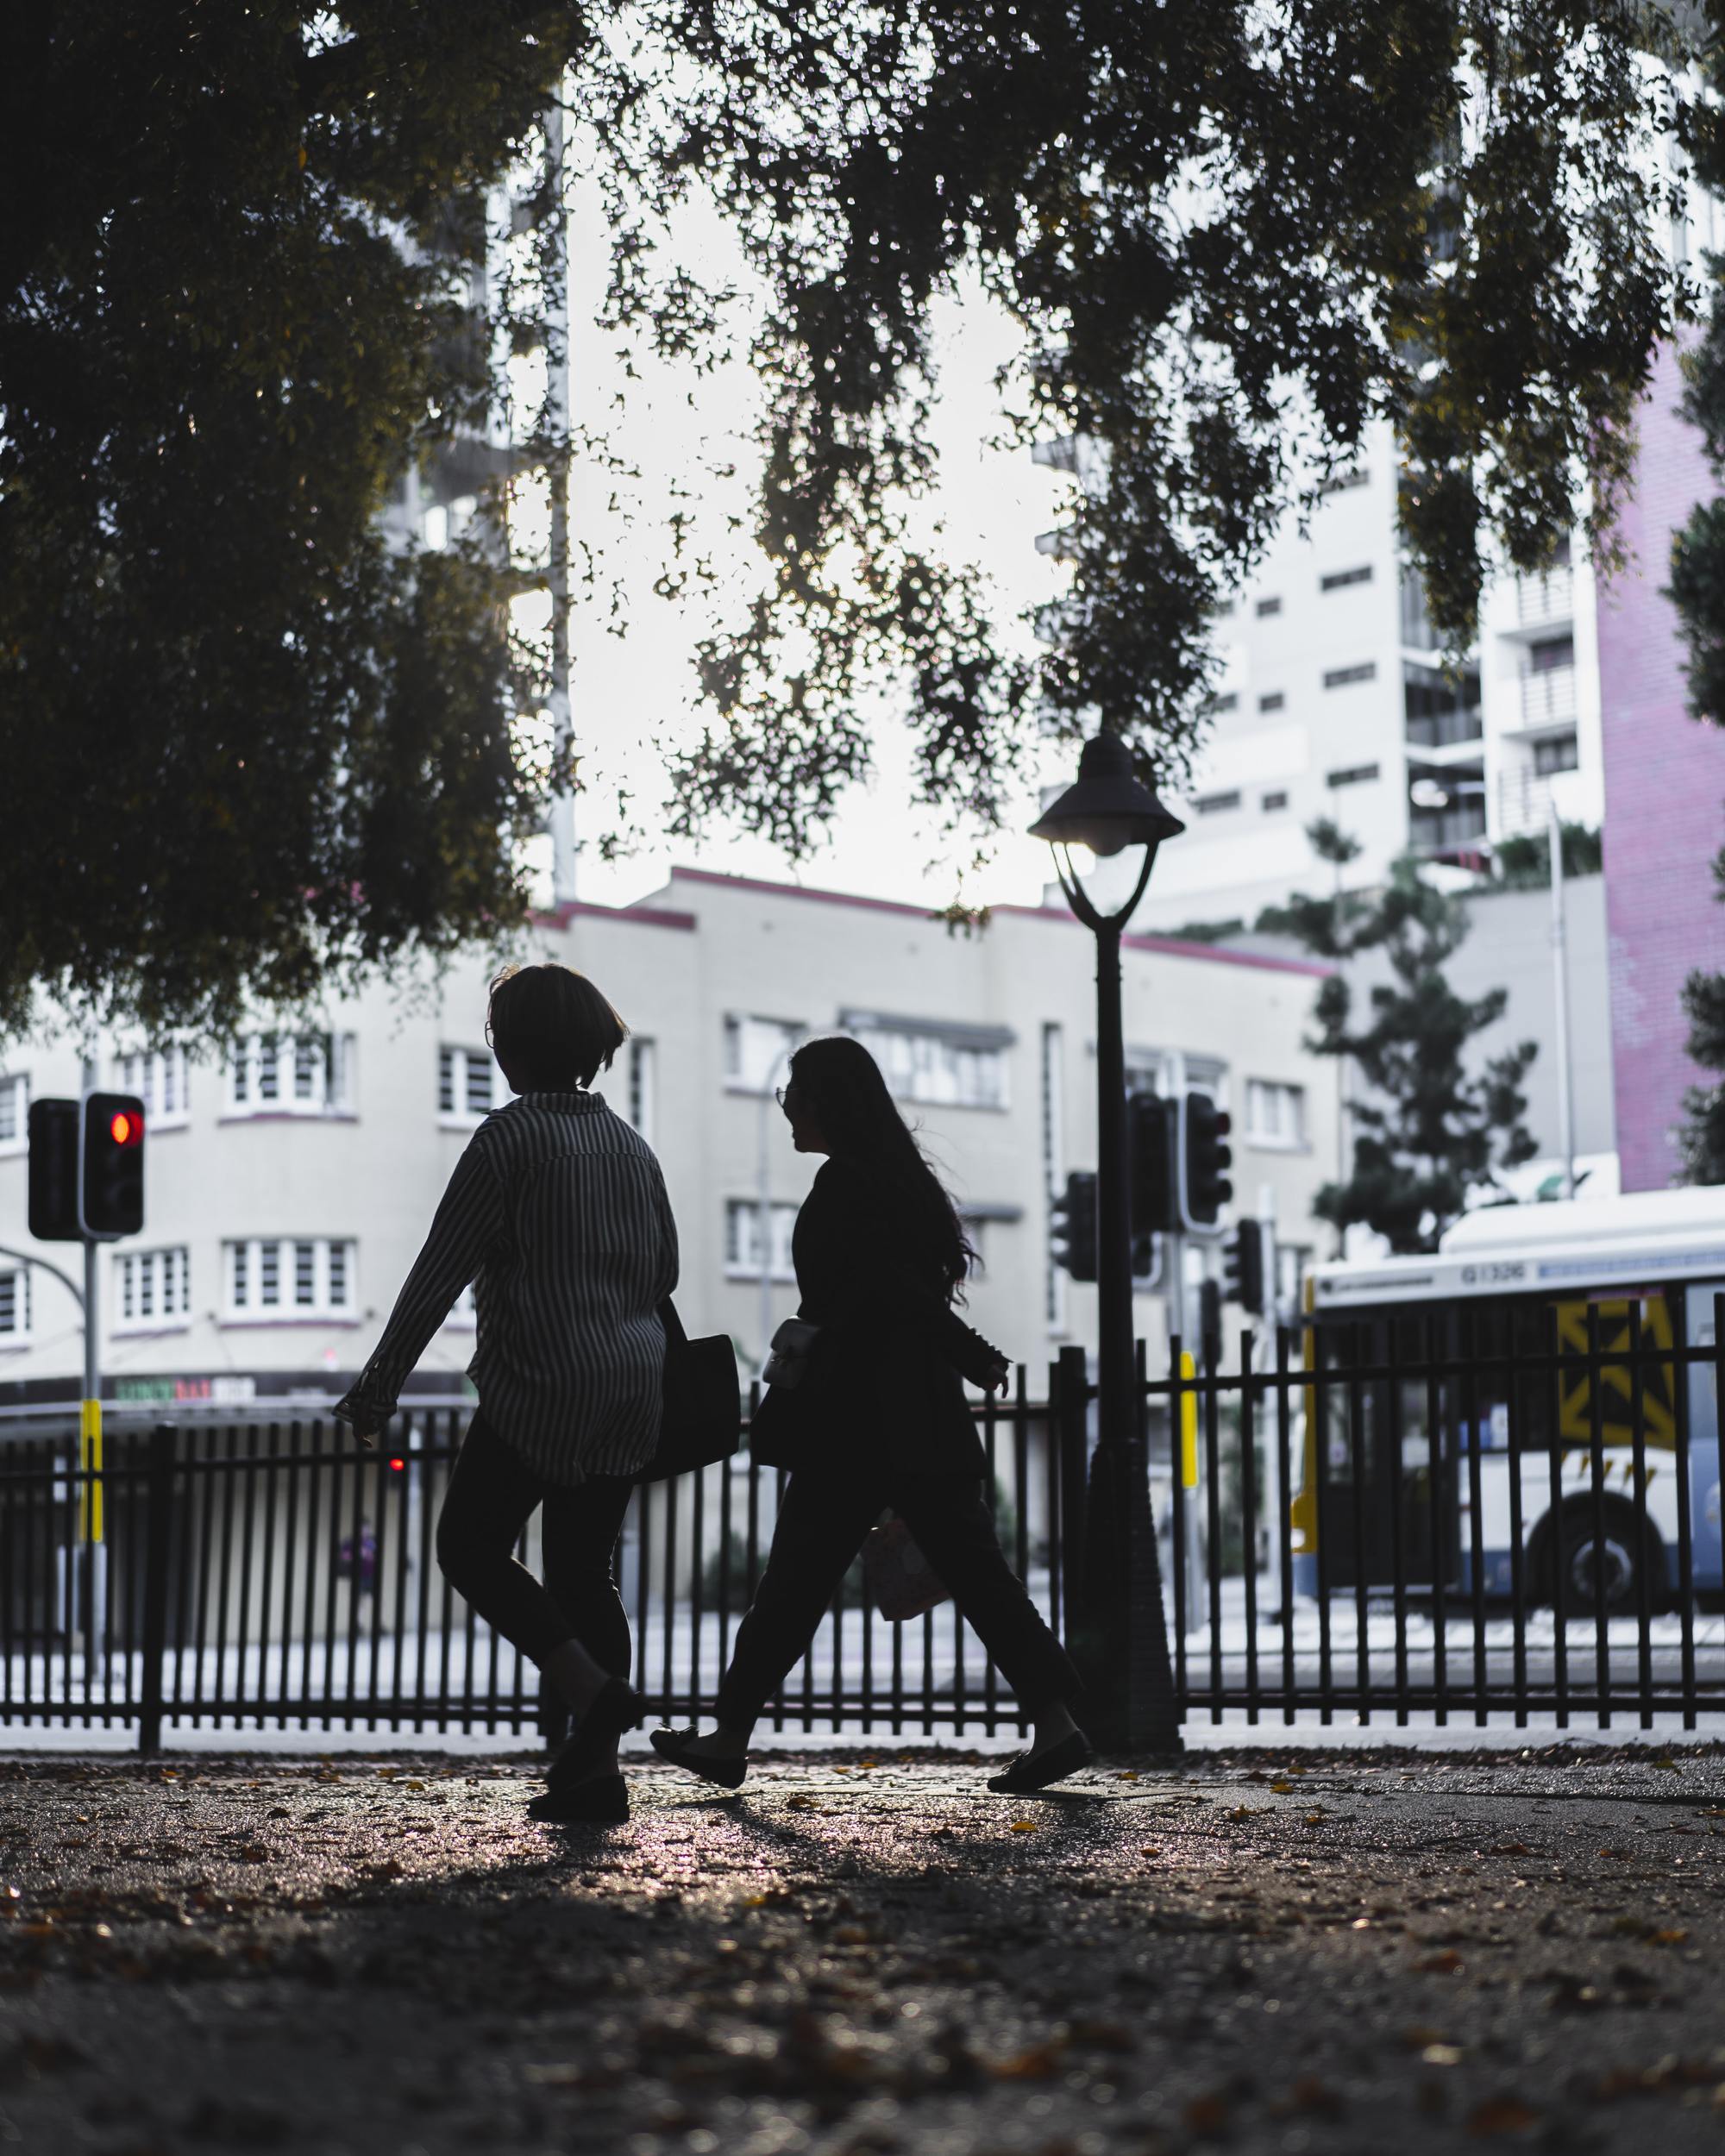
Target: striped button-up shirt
(557,1212)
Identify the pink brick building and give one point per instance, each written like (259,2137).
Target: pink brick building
(1665,794)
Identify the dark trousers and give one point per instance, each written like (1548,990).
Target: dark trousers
(491,1496)
(821,1525)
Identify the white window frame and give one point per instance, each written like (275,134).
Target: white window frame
(461,1063)
(274,1074)
(280,1261)
(21,1333)
(158,1076)
(1265,1122)
(639,1107)
(935,1070)
(783,1219)
(152,1290)
(16,1085)
(758,1065)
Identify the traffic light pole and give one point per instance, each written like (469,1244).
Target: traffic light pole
(1123,1652)
(92,1586)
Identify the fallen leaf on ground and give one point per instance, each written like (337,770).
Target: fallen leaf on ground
(1500,2115)
(1443,1965)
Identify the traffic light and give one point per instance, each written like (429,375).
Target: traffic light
(111,1183)
(1074,1227)
(1242,1266)
(54,1172)
(1150,1156)
(1206,1157)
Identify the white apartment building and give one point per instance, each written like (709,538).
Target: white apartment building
(1334,702)
(290,1176)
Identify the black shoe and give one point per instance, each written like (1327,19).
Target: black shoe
(674,1745)
(603,1801)
(615,1707)
(1033,1770)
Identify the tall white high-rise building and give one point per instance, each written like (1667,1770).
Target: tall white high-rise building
(1334,701)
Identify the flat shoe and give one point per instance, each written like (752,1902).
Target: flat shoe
(603,1801)
(614,1707)
(1033,1770)
(674,1745)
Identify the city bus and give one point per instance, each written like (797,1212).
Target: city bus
(1507,1283)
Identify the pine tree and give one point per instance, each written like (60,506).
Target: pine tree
(1428,1132)
(1701,1142)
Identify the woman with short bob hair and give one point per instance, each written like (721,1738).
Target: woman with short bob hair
(878,1417)
(557,1213)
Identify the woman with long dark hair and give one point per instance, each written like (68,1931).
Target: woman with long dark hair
(877,1419)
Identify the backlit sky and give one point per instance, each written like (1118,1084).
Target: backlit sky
(629,691)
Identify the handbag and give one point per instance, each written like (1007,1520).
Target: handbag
(701,1421)
(897,1577)
(787,1357)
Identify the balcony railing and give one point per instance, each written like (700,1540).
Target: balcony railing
(1548,601)
(1548,699)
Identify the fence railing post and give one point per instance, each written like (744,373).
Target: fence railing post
(159,1498)
(1071,1426)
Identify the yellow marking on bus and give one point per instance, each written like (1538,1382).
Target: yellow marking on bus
(90,1450)
(1616,1377)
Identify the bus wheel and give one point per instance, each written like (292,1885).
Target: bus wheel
(1627,1546)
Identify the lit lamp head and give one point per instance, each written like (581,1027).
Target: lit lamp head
(1110,808)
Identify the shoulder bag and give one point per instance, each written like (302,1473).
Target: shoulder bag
(701,1421)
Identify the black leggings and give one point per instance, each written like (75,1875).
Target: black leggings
(821,1524)
(491,1496)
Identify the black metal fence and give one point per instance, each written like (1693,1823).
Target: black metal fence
(1501,1514)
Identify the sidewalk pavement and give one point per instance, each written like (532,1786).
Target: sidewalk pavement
(868,1955)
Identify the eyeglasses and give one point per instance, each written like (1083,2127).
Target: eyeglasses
(779,1092)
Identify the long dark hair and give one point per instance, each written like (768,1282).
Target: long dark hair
(860,1121)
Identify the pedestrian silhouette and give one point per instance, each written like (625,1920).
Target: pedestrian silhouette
(866,1407)
(557,1212)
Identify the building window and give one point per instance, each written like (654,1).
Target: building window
(935,1069)
(1558,752)
(1267,606)
(1339,580)
(289,1278)
(14,1112)
(640,1075)
(743,1238)
(1551,655)
(14,1307)
(469,1085)
(1215,803)
(1275,1113)
(154,1287)
(1355,774)
(758,1052)
(1343,481)
(158,1077)
(1215,705)
(1273,801)
(1341,677)
(290,1073)
(1273,702)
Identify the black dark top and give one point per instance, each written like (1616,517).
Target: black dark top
(884,1381)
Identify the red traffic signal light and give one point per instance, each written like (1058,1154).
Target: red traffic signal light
(397,1465)
(110,1169)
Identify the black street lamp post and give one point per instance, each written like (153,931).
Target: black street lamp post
(1123,1646)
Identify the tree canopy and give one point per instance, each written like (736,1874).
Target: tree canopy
(248,742)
